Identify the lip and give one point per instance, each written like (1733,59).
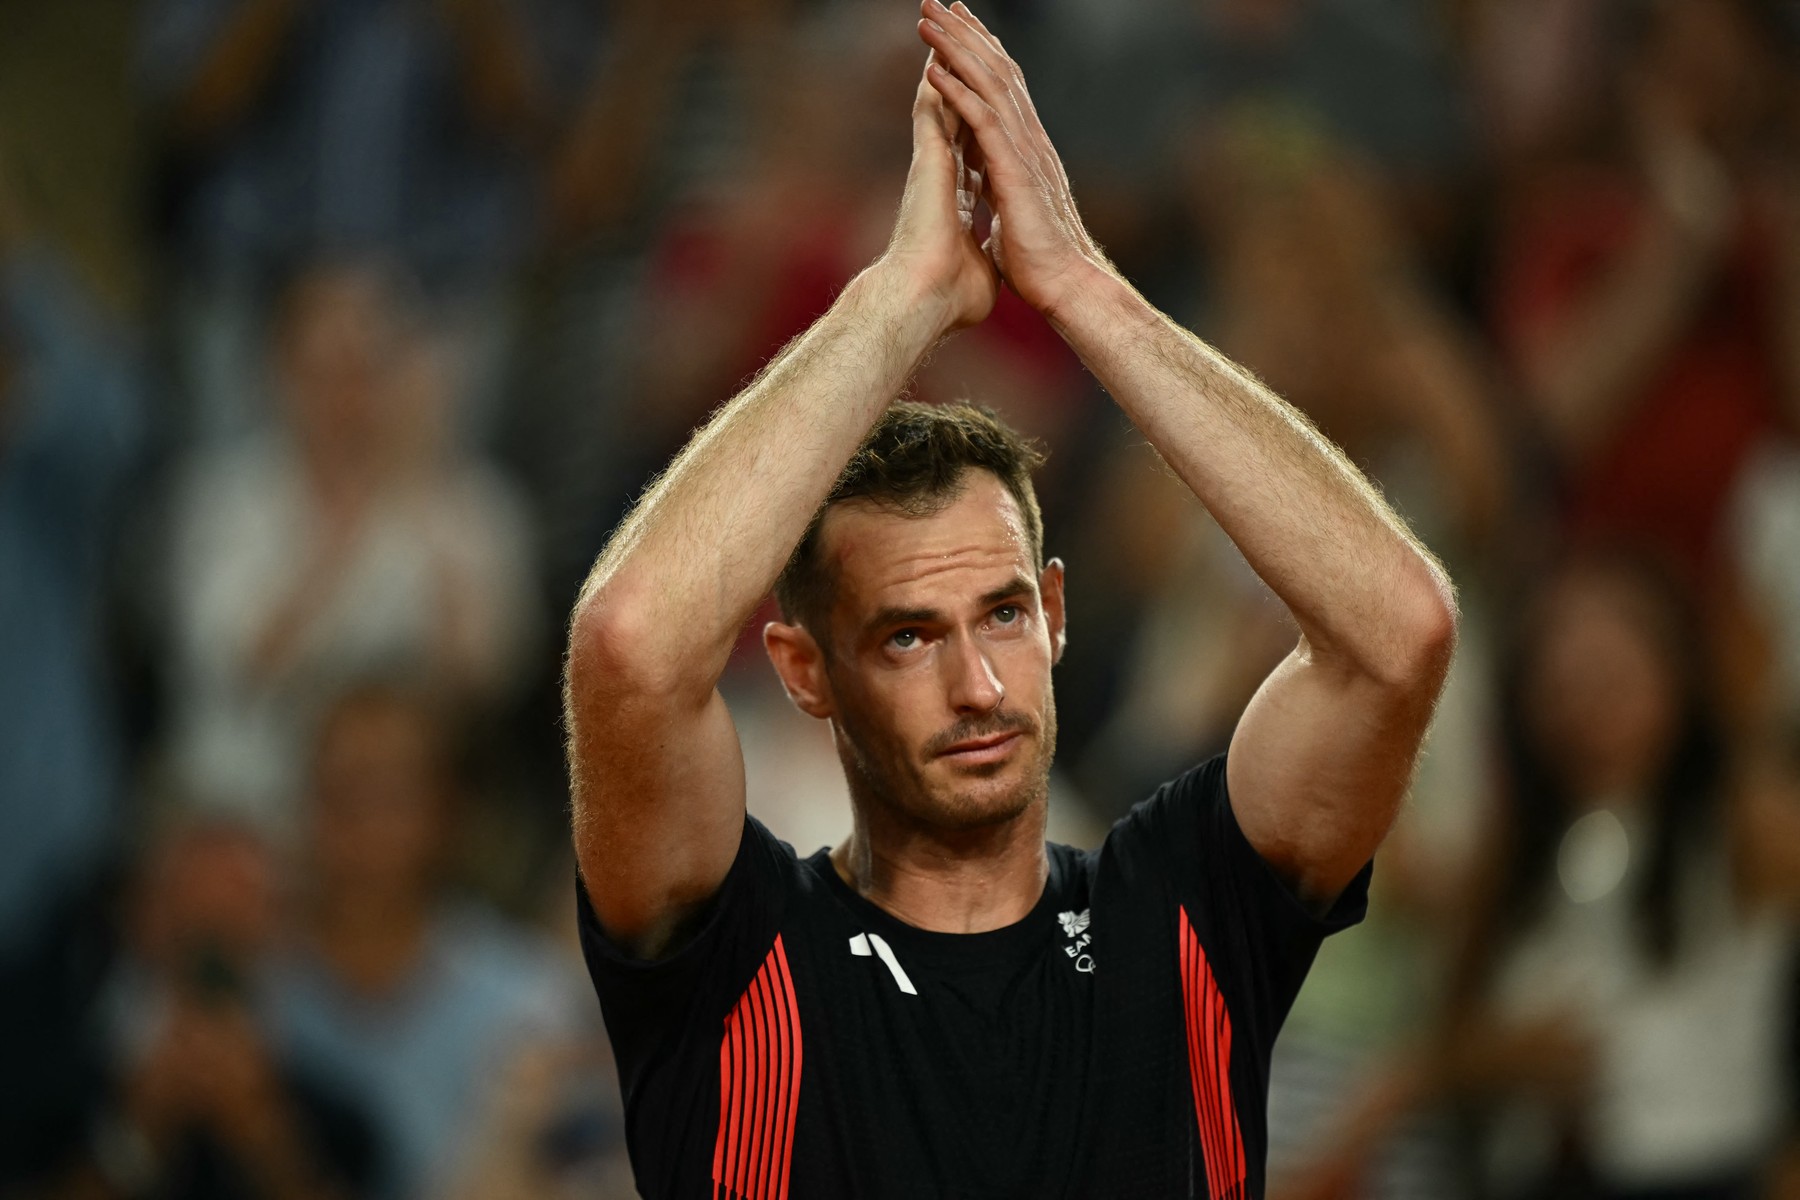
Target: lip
(982,750)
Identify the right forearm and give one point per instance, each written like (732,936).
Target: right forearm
(705,543)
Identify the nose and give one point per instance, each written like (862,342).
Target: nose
(973,685)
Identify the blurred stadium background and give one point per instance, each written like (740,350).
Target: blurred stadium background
(335,335)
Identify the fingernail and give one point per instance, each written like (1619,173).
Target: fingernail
(934,24)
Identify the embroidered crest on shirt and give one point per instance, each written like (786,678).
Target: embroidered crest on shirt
(1074,926)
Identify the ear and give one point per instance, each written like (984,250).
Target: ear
(801,665)
(1050,591)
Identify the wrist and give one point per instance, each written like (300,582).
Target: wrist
(914,299)
(1093,293)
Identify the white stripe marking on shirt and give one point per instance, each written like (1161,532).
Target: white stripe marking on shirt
(861,944)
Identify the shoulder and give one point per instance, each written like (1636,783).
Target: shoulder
(1186,835)
(1175,813)
(750,901)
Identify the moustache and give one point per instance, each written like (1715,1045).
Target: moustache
(980,727)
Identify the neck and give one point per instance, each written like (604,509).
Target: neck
(947,881)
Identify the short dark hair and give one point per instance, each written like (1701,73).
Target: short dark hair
(914,461)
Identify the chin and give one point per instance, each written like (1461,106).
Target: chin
(986,796)
(949,798)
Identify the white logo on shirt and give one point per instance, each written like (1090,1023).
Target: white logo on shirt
(1075,926)
(865,944)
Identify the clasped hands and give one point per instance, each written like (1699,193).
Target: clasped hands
(977,138)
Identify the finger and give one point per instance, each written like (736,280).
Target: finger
(964,50)
(952,123)
(976,106)
(962,23)
(962,10)
(960,50)
(999,154)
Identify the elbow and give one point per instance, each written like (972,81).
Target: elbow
(1426,626)
(1411,638)
(615,649)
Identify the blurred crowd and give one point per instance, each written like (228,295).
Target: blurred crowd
(335,335)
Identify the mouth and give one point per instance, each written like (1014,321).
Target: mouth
(976,751)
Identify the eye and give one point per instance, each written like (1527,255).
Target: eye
(904,639)
(1006,614)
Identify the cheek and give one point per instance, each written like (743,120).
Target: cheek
(1023,668)
(881,714)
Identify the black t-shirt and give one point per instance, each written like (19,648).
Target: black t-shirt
(1113,1043)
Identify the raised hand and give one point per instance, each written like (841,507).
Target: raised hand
(934,237)
(1037,243)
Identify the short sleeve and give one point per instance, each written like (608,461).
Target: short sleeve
(650,1007)
(1259,937)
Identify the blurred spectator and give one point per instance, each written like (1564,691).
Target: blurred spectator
(1537,71)
(1647,297)
(353,538)
(205,1106)
(1123,85)
(295,129)
(673,97)
(1626,986)
(1623,1000)
(413,1001)
(671,105)
(1319,289)
(71,427)
(738,268)
(1767,545)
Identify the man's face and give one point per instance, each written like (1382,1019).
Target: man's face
(942,638)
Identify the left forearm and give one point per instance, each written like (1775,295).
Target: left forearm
(1323,751)
(1359,584)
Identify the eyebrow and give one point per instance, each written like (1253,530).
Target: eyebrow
(1017,585)
(902,616)
(883,618)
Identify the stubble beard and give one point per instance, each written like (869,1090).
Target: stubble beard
(912,785)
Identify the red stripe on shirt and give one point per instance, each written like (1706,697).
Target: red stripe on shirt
(1209,1069)
(791,1045)
(759,1086)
